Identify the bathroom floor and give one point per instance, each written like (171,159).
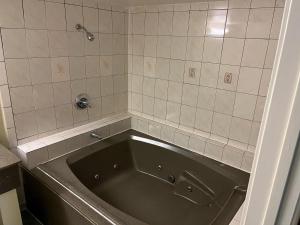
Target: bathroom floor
(29,219)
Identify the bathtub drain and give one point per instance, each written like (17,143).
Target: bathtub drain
(97,177)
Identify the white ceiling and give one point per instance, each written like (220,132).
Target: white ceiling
(150,2)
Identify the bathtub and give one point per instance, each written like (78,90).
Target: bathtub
(134,179)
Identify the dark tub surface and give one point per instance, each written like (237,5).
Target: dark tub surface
(132,178)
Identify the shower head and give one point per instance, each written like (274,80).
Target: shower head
(89,35)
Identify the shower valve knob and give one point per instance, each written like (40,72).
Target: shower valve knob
(82,101)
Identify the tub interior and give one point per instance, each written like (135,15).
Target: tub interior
(155,185)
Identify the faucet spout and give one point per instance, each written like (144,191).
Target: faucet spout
(95,135)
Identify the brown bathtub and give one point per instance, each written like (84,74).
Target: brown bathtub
(134,179)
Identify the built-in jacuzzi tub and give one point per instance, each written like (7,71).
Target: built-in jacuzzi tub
(132,178)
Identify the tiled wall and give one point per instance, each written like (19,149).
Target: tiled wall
(45,63)
(238,37)
(227,153)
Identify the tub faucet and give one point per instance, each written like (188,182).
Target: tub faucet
(95,135)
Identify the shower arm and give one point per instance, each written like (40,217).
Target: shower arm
(79,27)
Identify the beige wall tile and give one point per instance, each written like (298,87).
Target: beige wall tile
(5,96)
(77,87)
(3,75)
(221,124)
(18,72)
(9,117)
(249,80)
(176,70)
(90,19)
(270,57)
(262,3)
(46,120)
(197,23)
(74,2)
(212,49)
(236,23)
(203,120)
(264,83)
(187,116)
(1,50)
(175,91)
(43,96)
(197,144)
(247,161)
(239,4)
(55,16)
(259,109)
(118,22)
(165,23)
(224,102)
(150,46)
(76,43)
(151,24)
(34,14)
(244,106)
(105,21)
(232,51)
(106,85)
(138,21)
(149,86)
(259,24)
(195,48)
(13,43)
(180,23)
(22,99)
(40,70)
(58,43)
(216,23)
(74,15)
(107,105)
(173,112)
(254,52)
(92,66)
(276,24)
(148,105)
(190,95)
(60,69)
(77,67)
(26,125)
(93,87)
(232,156)
(37,43)
(209,74)
(213,151)
(164,44)
(62,93)
(254,133)
(11,14)
(178,47)
(206,98)
(64,116)
(240,130)
(161,89)
(160,108)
